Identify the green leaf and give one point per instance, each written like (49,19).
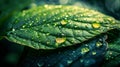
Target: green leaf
(82,55)
(8,9)
(112,56)
(54,26)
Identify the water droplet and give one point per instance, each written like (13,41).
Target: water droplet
(75,19)
(23,26)
(60,40)
(55,25)
(67,16)
(46,6)
(63,22)
(96,25)
(107,58)
(110,53)
(81,61)
(75,26)
(33,5)
(40,64)
(13,29)
(84,50)
(30,24)
(69,61)
(32,21)
(44,20)
(48,34)
(62,34)
(98,44)
(44,14)
(59,6)
(48,42)
(93,53)
(70,23)
(48,24)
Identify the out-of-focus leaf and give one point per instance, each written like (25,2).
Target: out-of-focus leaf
(1,38)
(112,57)
(8,8)
(51,26)
(88,54)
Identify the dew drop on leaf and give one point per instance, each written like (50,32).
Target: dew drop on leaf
(63,22)
(60,40)
(98,44)
(81,60)
(93,53)
(96,25)
(48,42)
(23,26)
(69,61)
(13,29)
(84,50)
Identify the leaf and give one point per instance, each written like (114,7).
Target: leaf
(81,55)
(112,56)
(8,9)
(54,26)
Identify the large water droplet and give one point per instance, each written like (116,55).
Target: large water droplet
(60,40)
(96,25)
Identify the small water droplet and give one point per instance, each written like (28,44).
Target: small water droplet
(81,60)
(63,34)
(44,20)
(48,42)
(30,24)
(93,53)
(13,29)
(75,19)
(55,25)
(63,22)
(96,25)
(75,26)
(48,24)
(46,6)
(48,34)
(23,26)
(32,21)
(40,64)
(69,61)
(110,53)
(98,44)
(44,14)
(84,50)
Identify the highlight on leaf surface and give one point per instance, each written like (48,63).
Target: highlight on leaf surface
(46,26)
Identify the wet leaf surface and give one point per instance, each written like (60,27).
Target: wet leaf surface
(112,57)
(55,26)
(83,55)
